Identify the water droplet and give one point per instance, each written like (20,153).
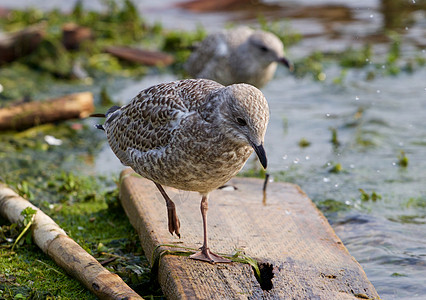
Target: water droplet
(307,157)
(351,166)
(378,171)
(414,1)
(378,91)
(327,115)
(371,16)
(285,156)
(406,28)
(296,161)
(326,179)
(356,98)
(336,185)
(394,164)
(383,67)
(347,202)
(367,59)
(401,144)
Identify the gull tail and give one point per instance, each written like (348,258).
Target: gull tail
(109,111)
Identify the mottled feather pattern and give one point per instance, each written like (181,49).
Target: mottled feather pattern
(174,134)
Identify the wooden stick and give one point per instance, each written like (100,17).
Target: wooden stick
(73,35)
(78,105)
(144,57)
(53,241)
(210,5)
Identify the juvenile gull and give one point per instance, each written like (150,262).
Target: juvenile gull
(236,56)
(192,135)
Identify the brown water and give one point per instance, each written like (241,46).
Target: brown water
(375,120)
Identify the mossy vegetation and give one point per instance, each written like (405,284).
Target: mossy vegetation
(89,211)
(86,206)
(373,196)
(303,143)
(402,159)
(336,168)
(118,24)
(30,274)
(362,58)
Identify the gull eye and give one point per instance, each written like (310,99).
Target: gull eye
(263,48)
(241,121)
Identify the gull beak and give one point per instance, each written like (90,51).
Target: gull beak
(260,151)
(286,63)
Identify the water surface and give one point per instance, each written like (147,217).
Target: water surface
(374,120)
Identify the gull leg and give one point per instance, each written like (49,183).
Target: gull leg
(205,254)
(173,219)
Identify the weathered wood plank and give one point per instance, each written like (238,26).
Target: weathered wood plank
(309,261)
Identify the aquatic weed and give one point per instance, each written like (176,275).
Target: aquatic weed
(367,197)
(402,159)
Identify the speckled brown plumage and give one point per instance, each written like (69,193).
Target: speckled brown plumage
(237,55)
(192,134)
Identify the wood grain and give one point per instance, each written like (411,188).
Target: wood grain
(308,260)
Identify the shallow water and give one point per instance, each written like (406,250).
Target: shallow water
(375,120)
(388,236)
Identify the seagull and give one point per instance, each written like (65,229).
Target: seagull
(240,55)
(193,135)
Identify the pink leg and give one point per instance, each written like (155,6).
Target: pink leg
(205,254)
(173,219)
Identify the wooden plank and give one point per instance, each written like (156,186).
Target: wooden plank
(308,260)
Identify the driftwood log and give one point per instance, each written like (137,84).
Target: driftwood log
(53,241)
(144,57)
(17,44)
(25,115)
(73,35)
(212,5)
